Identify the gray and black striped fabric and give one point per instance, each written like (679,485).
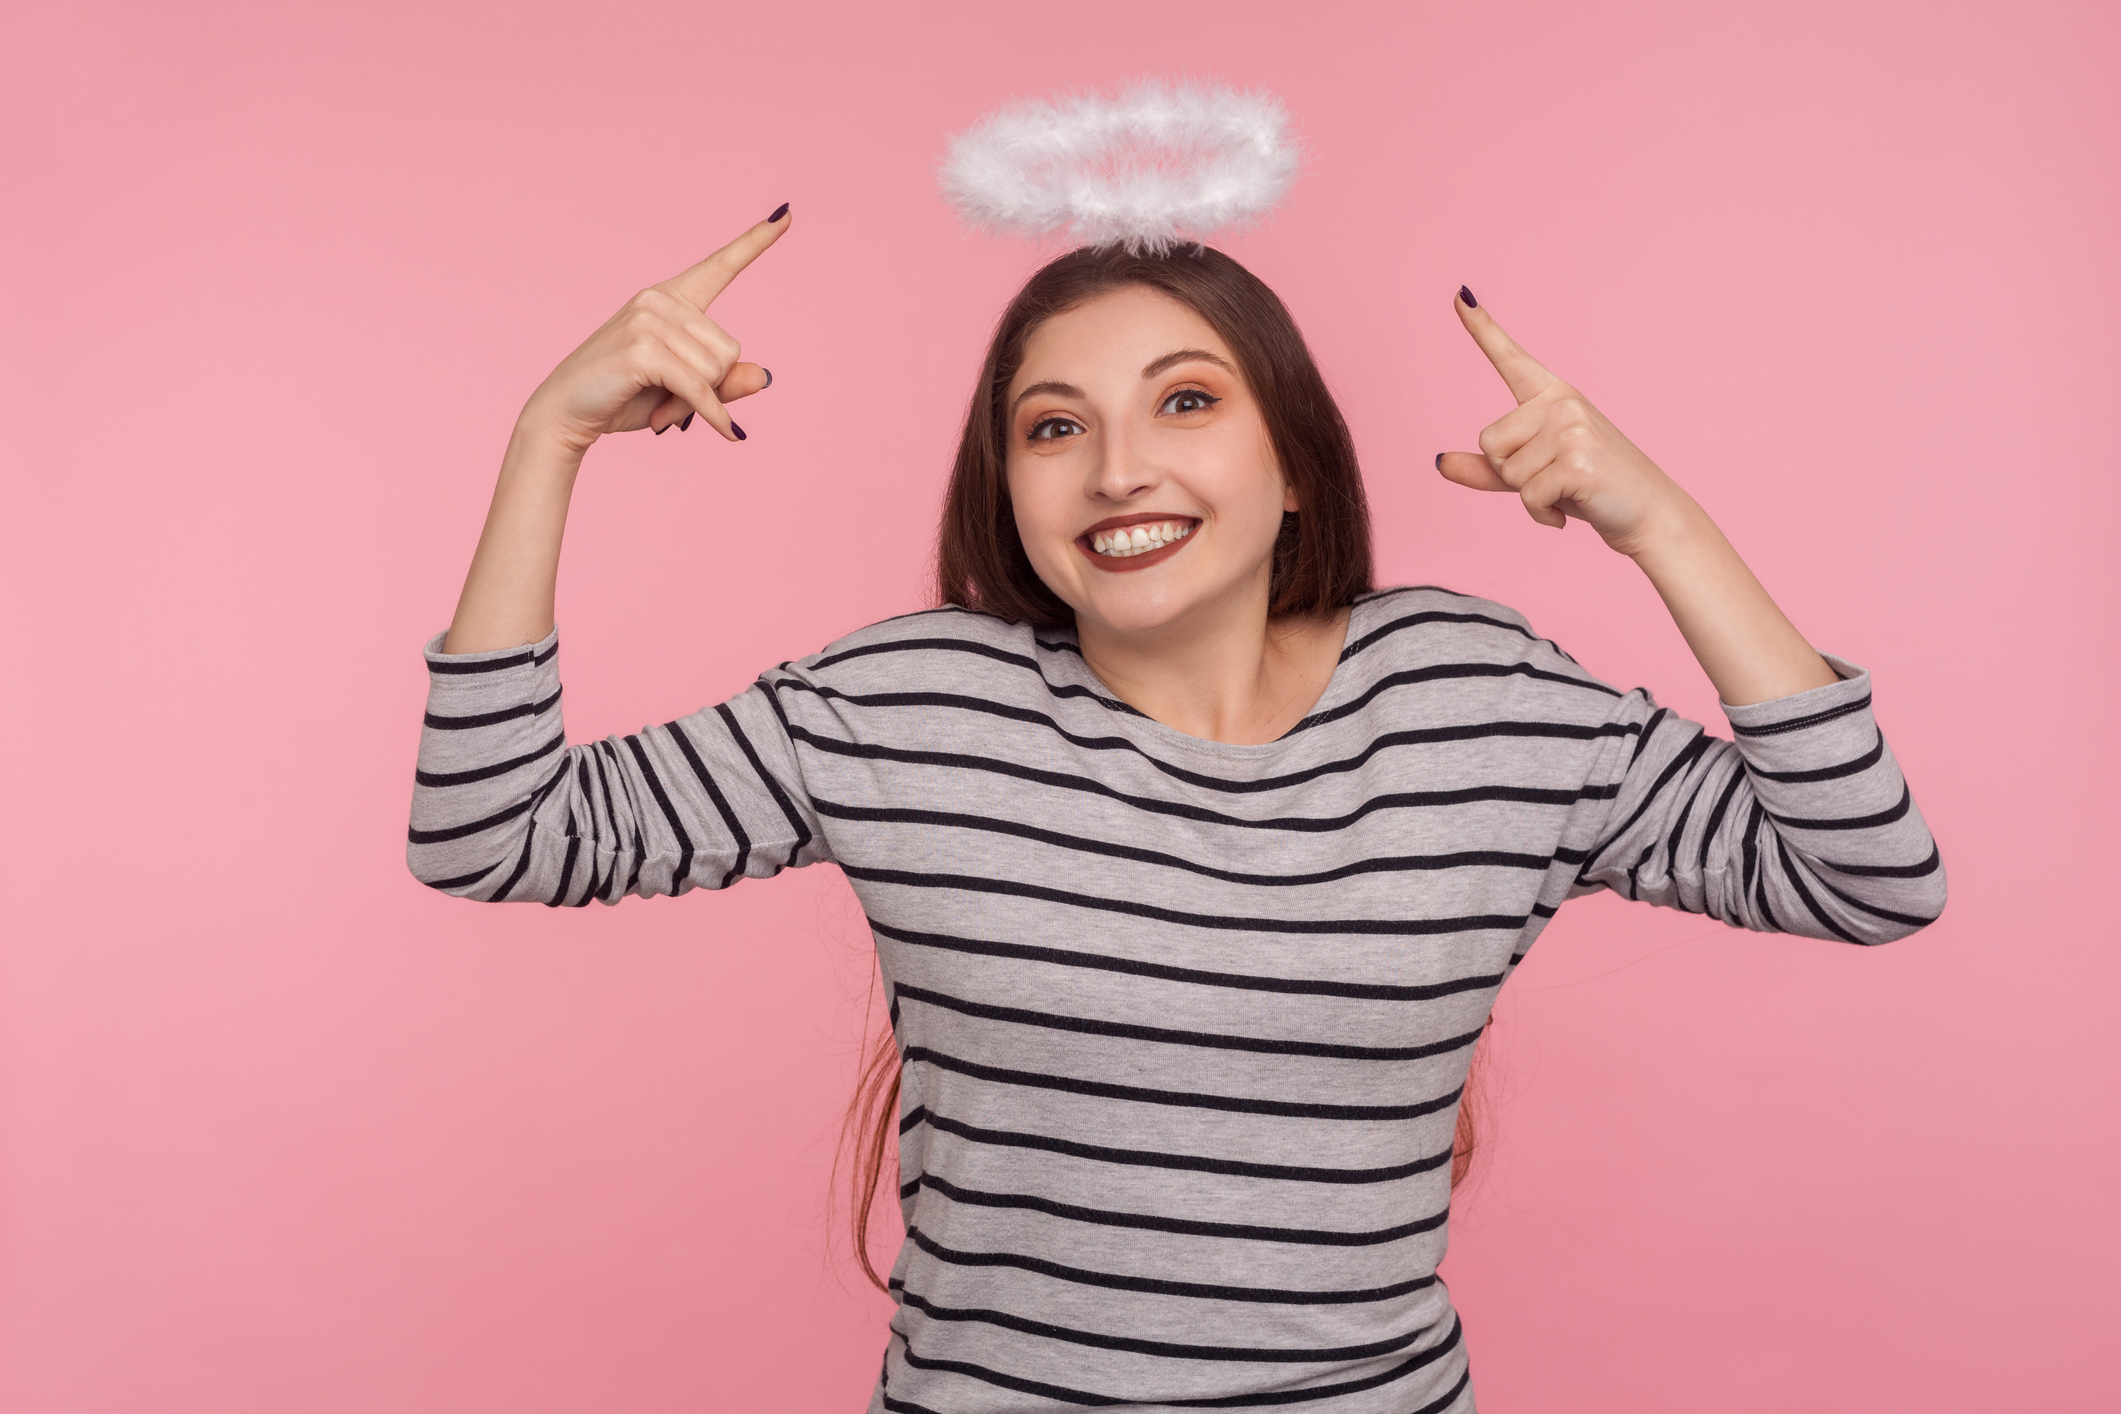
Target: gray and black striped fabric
(1184,1024)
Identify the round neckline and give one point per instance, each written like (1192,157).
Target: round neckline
(1139,722)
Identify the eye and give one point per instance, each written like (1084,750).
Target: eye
(1187,400)
(1052,429)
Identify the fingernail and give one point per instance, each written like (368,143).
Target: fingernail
(1467,295)
(686,425)
(738,430)
(778,213)
(661,430)
(769,379)
(1439,461)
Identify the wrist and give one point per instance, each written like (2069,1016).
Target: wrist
(539,448)
(1678,531)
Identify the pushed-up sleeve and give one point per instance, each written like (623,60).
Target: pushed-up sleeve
(1801,824)
(503,810)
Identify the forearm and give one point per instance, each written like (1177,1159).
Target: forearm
(508,593)
(1749,649)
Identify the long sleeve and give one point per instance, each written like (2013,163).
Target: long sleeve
(504,810)
(1801,824)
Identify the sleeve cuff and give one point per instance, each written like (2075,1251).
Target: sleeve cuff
(494,660)
(1810,708)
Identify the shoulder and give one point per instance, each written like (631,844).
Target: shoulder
(932,643)
(1417,620)
(1445,645)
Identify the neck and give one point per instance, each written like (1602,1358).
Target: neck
(1225,672)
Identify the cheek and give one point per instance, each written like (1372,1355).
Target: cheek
(1041,513)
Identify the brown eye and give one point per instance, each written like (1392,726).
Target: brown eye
(1052,429)
(1187,400)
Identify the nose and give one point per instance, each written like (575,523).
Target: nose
(1119,473)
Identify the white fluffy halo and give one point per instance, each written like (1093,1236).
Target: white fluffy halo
(1158,165)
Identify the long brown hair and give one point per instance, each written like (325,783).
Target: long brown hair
(1321,556)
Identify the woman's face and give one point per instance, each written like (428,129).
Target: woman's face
(1145,487)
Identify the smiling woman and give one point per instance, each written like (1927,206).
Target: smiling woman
(1194,863)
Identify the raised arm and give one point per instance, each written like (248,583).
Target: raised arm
(1803,823)
(503,809)
(656,363)
(1563,458)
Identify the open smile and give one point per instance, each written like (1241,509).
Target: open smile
(1136,542)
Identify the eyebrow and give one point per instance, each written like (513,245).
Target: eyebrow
(1172,360)
(1168,361)
(1059,390)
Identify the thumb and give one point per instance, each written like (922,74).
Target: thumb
(1470,469)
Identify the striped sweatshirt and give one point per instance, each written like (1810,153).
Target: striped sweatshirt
(1184,1024)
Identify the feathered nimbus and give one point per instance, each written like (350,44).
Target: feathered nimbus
(1160,165)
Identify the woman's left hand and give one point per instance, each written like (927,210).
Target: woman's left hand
(1560,454)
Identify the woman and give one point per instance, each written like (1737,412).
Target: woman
(1194,865)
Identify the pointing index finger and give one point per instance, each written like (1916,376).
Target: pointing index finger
(1523,373)
(700,284)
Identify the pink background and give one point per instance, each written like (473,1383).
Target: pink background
(282,1130)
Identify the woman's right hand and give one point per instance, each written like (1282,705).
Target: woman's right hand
(658,360)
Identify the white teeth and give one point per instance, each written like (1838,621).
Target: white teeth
(1139,539)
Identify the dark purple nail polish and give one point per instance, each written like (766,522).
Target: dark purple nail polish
(1439,461)
(778,213)
(686,425)
(769,379)
(738,430)
(661,430)
(1467,295)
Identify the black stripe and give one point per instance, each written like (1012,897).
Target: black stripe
(1385,927)
(574,845)
(1093,1026)
(1888,871)
(1789,869)
(1472,858)
(455,668)
(1184,1163)
(1684,758)
(1723,804)
(488,719)
(1648,728)
(1442,672)
(1303,1395)
(1432,616)
(1156,1287)
(1150,1222)
(1797,724)
(1910,919)
(917,645)
(486,773)
(1859,822)
(457,832)
(1181,1099)
(773,787)
(1400,800)
(462,880)
(1750,848)
(1426,736)
(1828,773)
(670,813)
(530,835)
(730,821)
(1296,986)
(1169,1350)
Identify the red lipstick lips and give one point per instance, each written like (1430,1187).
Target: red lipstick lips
(1147,558)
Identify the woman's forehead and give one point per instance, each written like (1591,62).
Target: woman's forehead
(1114,336)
